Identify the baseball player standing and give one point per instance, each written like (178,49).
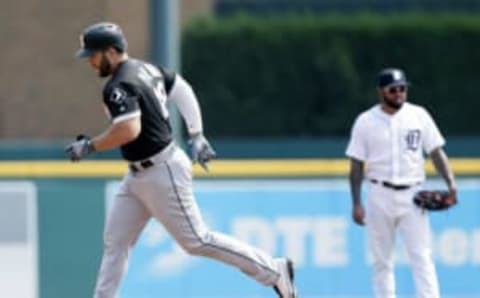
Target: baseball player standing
(159,182)
(390,139)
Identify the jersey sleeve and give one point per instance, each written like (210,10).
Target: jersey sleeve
(433,138)
(357,145)
(168,78)
(121,102)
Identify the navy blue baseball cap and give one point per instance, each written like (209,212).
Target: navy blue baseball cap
(99,37)
(389,77)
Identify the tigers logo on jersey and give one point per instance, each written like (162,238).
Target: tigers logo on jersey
(413,139)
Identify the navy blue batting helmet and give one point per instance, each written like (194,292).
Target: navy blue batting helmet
(99,37)
(392,77)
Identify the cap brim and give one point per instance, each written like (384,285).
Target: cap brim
(83,53)
(398,83)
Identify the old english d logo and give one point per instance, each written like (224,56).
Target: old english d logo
(413,139)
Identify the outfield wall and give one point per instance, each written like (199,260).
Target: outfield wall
(305,215)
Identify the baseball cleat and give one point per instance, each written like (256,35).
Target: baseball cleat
(285,287)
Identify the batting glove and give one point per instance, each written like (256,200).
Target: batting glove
(200,150)
(82,147)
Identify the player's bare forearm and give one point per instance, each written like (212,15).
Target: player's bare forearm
(356,178)
(118,134)
(440,161)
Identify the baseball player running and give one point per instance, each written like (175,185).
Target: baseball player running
(159,182)
(390,139)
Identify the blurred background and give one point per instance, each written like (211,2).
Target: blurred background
(280,83)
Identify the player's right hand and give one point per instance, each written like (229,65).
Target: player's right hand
(201,151)
(80,148)
(358,214)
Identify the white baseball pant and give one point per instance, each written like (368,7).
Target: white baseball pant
(389,211)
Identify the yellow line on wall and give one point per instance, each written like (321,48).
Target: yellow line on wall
(218,168)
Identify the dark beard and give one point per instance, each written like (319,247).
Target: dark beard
(105,67)
(392,104)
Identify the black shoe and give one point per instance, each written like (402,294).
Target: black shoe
(285,287)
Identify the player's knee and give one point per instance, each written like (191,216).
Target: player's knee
(420,257)
(199,246)
(382,266)
(199,249)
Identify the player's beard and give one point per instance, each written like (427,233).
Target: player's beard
(393,104)
(105,68)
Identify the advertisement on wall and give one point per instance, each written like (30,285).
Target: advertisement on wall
(18,240)
(309,221)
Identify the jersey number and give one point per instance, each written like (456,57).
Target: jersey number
(151,76)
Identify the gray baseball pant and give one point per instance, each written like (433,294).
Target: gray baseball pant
(164,191)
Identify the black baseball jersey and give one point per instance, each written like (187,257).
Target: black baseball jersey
(140,89)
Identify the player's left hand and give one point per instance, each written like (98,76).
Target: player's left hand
(80,148)
(435,200)
(201,151)
(453,193)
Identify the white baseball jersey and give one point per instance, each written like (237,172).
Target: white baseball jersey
(393,146)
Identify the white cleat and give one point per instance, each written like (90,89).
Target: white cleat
(285,287)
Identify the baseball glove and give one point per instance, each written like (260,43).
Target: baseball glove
(434,200)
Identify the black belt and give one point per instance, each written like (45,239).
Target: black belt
(145,164)
(391,185)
